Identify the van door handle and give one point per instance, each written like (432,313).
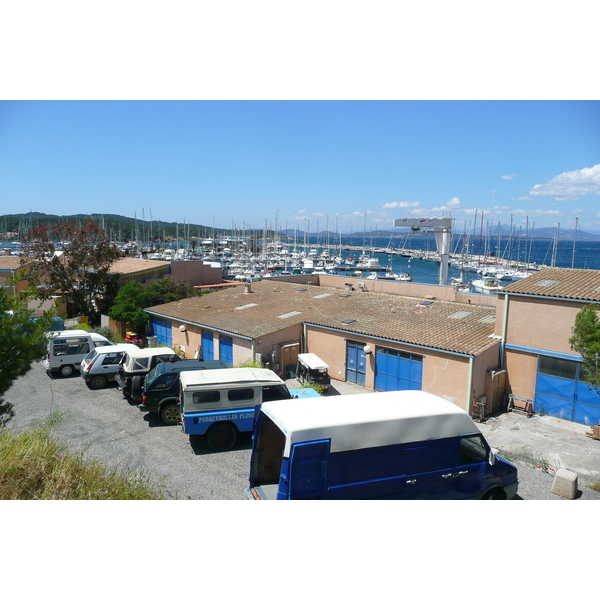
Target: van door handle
(461,473)
(448,476)
(411,481)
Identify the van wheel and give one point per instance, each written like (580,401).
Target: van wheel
(170,414)
(67,370)
(221,437)
(495,495)
(97,382)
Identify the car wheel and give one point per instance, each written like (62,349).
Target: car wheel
(97,382)
(170,414)
(221,437)
(67,370)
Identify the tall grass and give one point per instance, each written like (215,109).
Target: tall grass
(33,466)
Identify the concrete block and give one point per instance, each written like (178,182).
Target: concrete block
(565,484)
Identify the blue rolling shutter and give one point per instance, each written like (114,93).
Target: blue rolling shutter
(208,348)
(162,330)
(226,349)
(395,370)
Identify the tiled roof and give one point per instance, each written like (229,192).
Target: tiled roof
(554,282)
(10,263)
(274,305)
(124,266)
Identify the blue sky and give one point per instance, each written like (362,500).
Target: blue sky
(305,163)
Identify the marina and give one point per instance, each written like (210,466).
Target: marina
(479,268)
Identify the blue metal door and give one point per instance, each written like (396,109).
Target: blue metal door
(208,347)
(162,330)
(226,349)
(308,470)
(560,392)
(356,363)
(395,370)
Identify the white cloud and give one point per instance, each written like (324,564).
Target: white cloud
(403,204)
(454,202)
(508,176)
(570,185)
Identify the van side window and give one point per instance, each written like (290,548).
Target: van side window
(71,349)
(206,397)
(472,450)
(275,392)
(240,394)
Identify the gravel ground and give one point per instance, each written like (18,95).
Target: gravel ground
(105,426)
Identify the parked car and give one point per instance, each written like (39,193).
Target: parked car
(136,362)
(159,390)
(101,364)
(66,349)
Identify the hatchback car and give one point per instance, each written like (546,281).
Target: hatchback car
(101,364)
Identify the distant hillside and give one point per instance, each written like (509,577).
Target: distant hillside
(119,228)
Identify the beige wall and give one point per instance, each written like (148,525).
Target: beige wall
(195,272)
(445,375)
(190,339)
(521,368)
(413,290)
(541,323)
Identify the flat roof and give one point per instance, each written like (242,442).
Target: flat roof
(368,420)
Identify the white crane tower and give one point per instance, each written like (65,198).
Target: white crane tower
(442,229)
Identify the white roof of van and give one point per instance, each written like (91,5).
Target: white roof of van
(67,333)
(368,420)
(226,376)
(312,361)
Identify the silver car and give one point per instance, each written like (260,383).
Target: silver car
(100,365)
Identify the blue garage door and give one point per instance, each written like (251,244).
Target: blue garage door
(395,370)
(226,349)
(208,346)
(560,392)
(162,330)
(356,363)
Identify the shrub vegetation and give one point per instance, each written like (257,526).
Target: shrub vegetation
(33,466)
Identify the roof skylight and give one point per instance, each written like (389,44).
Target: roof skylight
(244,306)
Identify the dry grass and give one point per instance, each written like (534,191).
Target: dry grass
(33,466)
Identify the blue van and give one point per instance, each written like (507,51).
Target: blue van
(407,445)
